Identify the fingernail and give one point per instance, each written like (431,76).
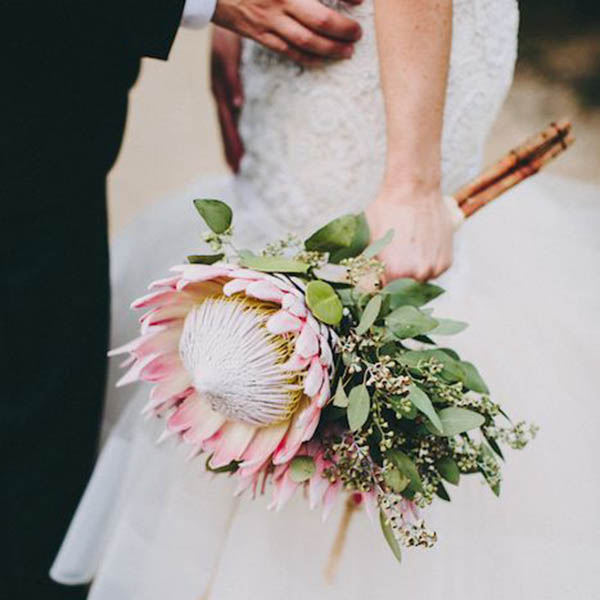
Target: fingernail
(347,51)
(238,101)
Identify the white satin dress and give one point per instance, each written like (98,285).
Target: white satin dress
(152,526)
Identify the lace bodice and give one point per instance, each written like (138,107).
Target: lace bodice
(315,138)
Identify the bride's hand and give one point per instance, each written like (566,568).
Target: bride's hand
(227,89)
(423,231)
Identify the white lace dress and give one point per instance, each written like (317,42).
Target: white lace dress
(152,526)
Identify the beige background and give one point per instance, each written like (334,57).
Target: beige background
(172,133)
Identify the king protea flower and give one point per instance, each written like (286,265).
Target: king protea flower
(241,367)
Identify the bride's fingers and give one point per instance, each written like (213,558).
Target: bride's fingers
(282,46)
(325,21)
(309,41)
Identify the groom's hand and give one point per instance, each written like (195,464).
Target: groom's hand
(303,30)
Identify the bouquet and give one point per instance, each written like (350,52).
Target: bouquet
(292,368)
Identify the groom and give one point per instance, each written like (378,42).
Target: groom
(67,69)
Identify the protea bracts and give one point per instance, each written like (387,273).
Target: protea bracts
(241,367)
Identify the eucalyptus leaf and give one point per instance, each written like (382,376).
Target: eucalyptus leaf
(360,241)
(324,303)
(204,259)
(421,400)
(448,327)
(369,315)
(359,405)
(407,467)
(388,534)
(406,291)
(395,480)
(340,398)
(333,273)
(302,468)
(274,264)
(457,420)
(377,246)
(408,321)
(216,214)
(448,469)
(473,379)
(337,234)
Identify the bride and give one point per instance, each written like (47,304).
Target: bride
(388,131)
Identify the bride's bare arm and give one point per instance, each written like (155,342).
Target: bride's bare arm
(414,47)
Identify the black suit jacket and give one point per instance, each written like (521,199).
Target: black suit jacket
(67,69)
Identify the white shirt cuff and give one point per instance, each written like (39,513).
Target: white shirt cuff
(198,13)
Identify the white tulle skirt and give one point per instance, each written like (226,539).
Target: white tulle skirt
(526,277)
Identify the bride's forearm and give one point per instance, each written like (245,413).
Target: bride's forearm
(414,40)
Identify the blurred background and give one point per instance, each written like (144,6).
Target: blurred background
(172,132)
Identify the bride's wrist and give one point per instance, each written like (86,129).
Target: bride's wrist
(410,190)
(412,181)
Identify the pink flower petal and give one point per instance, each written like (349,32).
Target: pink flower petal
(294,305)
(301,429)
(330,497)
(175,388)
(314,378)
(134,372)
(283,490)
(206,424)
(234,286)
(236,436)
(159,298)
(168,282)
(283,322)
(161,367)
(265,442)
(307,344)
(202,272)
(325,391)
(295,363)
(326,355)
(264,290)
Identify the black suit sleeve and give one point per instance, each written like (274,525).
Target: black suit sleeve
(147,27)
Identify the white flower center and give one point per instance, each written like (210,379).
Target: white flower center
(236,363)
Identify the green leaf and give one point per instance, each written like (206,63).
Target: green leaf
(448,327)
(302,468)
(407,291)
(340,399)
(324,303)
(372,250)
(388,534)
(369,315)
(204,259)
(407,467)
(359,405)
(473,379)
(457,420)
(360,241)
(442,492)
(395,480)
(408,321)
(421,400)
(336,235)
(274,264)
(216,214)
(448,469)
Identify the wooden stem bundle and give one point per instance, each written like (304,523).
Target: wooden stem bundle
(519,164)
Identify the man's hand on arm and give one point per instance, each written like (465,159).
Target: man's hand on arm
(305,31)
